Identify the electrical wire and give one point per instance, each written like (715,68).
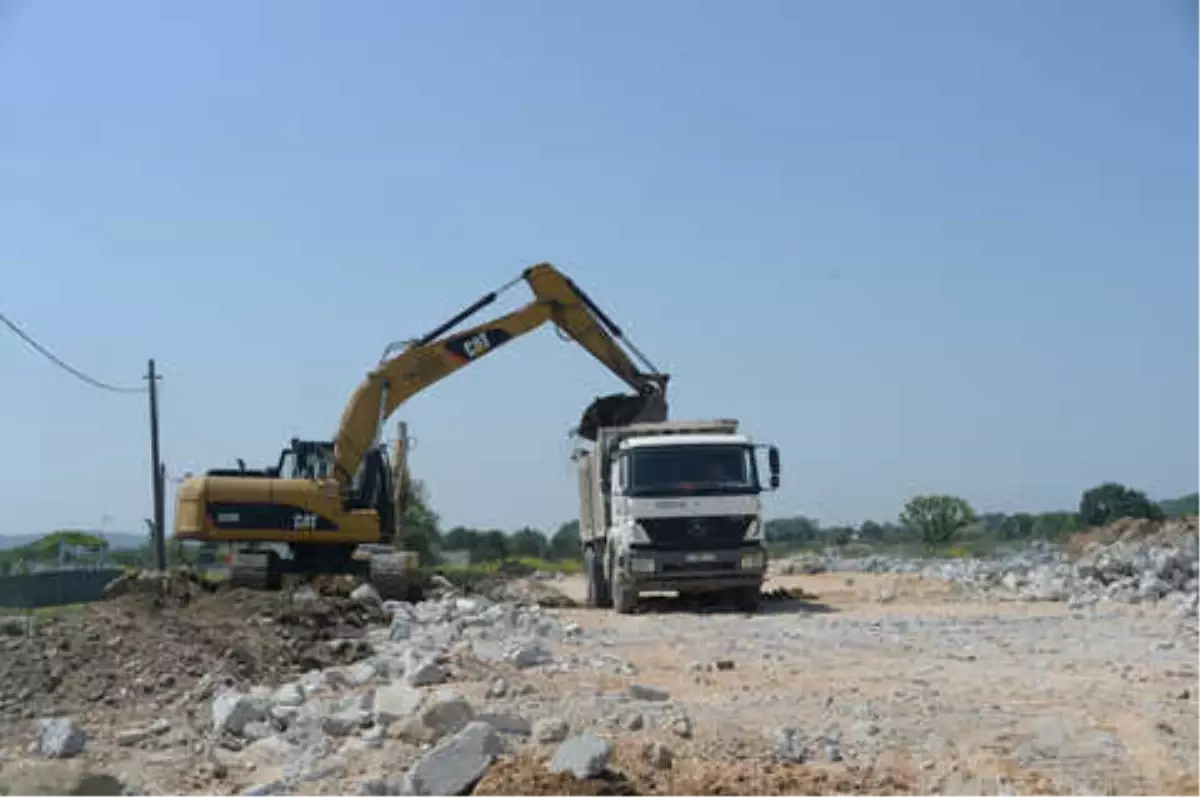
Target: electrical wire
(42,350)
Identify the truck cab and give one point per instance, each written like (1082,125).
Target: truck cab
(674,506)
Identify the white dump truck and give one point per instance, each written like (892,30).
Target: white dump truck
(673,506)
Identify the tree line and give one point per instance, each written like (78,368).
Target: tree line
(928,520)
(936,520)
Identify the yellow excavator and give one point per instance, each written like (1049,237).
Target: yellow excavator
(337,506)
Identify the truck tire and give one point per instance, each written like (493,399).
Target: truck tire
(597,585)
(747,599)
(624,596)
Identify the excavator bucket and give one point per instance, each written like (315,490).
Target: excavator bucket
(621,409)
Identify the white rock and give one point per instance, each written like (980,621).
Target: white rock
(60,737)
(397,701)
(232,711)
(584,756)
(551,730)
(366,594)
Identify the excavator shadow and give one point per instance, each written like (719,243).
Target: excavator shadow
(779,601)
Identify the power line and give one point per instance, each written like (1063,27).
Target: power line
(42,350)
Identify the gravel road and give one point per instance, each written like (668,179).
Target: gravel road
(876,683)
(964,697)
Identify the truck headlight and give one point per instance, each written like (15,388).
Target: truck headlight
(642,565)
(755,532)
(752,561)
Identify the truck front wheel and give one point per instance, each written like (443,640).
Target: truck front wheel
(747,599)
(597,585)
(624,595)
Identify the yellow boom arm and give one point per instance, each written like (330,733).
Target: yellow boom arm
(431,358)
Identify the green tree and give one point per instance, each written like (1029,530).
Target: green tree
(935,519)
(460,538)
(1106,502)
(528,542)
(1054,526)
(419,528)
(870,531)
(565,542)
(491,547)
(1017,527)
(840,535)
(791,531)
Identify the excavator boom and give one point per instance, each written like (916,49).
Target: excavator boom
(433,357)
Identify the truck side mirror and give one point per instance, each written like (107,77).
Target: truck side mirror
(773,464)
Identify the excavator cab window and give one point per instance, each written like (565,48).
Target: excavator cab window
(371,486)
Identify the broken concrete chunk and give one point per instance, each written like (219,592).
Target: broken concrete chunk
(232,711)
(445,713)
(529,654)
(508,723)
(366,594)
(456,764)
(397,701)
(60,737)
(424,672)
(584,756)
(549,731)
(51,777)
(289,695)
(657,755)
(639,692)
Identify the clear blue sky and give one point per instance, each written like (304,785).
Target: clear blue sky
(922,246)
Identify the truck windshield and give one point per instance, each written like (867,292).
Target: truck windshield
(691,469)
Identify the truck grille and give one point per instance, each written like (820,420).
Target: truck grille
(697,533)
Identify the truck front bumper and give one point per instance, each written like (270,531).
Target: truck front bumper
(651,570)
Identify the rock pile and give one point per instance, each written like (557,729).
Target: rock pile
(401,691)
(1130,561)
(157,638)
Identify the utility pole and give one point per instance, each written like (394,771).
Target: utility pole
(160,543)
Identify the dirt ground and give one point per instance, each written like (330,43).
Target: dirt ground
(917,690)
(954,696)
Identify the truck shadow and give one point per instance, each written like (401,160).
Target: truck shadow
(773,602)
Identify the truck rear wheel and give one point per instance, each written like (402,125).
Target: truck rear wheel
(597,585)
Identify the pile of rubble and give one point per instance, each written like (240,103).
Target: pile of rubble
(1129,561)
(158,636)
(390,682)
(447,700)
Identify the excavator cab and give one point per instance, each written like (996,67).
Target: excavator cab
(306,459)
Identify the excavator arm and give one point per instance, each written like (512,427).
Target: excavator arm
(434,357)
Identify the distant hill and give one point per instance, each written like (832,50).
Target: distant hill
(117,540)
